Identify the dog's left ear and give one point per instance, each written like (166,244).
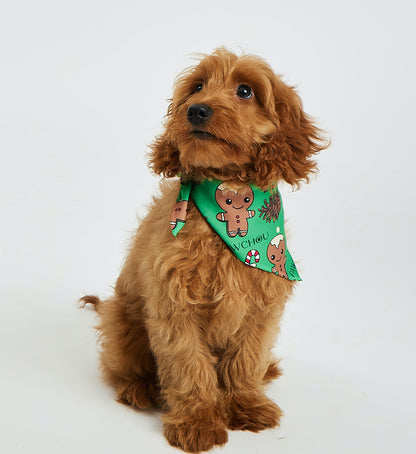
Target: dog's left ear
(164,157)
(288,155)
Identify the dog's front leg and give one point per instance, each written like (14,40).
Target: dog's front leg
(241,371)
(195,420)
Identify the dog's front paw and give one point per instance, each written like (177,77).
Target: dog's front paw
(255,412)
(195,436)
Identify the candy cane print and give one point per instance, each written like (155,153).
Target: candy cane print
(250,255)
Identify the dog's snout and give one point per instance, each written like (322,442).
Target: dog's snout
(199,113)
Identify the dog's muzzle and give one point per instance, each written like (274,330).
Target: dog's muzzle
(199,114)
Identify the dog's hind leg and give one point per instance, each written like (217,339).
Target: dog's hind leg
(126,360)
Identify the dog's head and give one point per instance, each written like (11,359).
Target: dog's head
(233,118)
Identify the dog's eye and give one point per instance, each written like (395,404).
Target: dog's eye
(198,86)
(228,201)
(247,199)
(272,257)
(244,91)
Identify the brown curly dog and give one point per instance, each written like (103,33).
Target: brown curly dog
(190,327)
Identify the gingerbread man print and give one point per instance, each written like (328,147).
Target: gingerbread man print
(178,213)
(235,202)
(276,253)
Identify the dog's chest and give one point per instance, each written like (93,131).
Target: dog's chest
(221,285)
(202,278)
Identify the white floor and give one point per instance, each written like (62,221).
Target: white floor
(83,91)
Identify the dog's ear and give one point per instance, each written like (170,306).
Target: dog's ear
(164,155)
(289,153)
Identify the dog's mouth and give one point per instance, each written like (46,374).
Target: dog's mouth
(204,135)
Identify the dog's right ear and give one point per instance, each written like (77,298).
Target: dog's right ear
(164,157)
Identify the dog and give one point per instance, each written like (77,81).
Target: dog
(190,327)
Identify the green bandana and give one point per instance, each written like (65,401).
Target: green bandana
(249,220)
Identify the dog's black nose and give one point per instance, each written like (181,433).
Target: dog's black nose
(199,113)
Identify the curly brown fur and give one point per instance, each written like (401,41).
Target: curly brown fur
(190,328)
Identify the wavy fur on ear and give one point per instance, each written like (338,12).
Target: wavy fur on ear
(164,157)
(289,154)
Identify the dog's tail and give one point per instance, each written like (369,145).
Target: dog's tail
(272,372)
(90,300)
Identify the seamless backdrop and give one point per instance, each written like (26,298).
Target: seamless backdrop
(83,90)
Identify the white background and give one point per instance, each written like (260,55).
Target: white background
(83,89)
